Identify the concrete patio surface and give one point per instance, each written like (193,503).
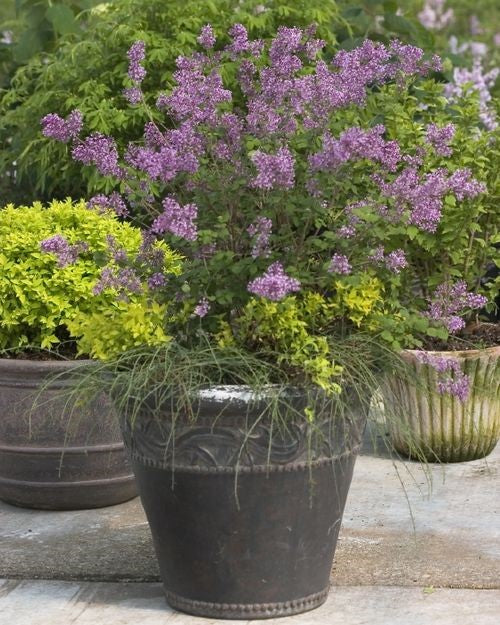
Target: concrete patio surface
(80,603)
(404,525)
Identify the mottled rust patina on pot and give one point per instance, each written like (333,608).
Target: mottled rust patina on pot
(244,519)
(54,455)
(441,428)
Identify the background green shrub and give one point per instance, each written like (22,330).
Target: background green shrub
(43,304)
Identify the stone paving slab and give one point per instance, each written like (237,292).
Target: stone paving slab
(391,536)
(71,603)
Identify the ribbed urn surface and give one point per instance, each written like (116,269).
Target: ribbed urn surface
(55,454)
(422,422)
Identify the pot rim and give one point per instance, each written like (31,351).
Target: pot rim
(21,365)
(459,353)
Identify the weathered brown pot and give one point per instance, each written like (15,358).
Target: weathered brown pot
(440,427)
(244,519)
(52,457)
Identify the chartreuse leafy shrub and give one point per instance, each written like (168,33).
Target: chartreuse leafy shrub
(48,299)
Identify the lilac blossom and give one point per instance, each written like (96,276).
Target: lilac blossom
(177,219)
(239,36)
(339,264)
(99,150)
(475,26)
(440,138)
(133,95)
(124,280)
(274,284)
(451,379)
(66,253)
(434,16)
(274,170)
(396,260)
(356,143)
(261,230)
(202,308)
(157,281)
(450,301)
(136,55)
(113,202)
(424,195)
(206,38)
(475,79)
(60,129)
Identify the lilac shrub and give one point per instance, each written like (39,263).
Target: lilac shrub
(276,189)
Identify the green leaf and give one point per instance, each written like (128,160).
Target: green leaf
(62,19)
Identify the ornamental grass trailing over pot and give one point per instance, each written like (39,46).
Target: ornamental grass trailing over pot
(297,213)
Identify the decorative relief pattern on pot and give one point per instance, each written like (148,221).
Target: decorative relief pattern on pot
(233,441)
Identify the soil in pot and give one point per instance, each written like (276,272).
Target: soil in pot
(55,456)
(244,523)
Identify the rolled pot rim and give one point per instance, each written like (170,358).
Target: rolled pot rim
(52,365)
(459,353)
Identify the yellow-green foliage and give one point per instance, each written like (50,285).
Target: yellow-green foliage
(297,328)
(39,300)
(120,326)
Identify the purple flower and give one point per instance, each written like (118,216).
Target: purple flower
(356,143)
(133,95)
(440,138)
(207,37)
(464,186)
(261,230)
(274,170)
(123,280)
(156,281)
(177,219)
(339,264)
(395,261)
(101,151)
(239,36)
(202,308)
(112,202)
(452,300)
(274,284)
(56,127)
(451,379)
(66,253)
(136,55)
(434,17)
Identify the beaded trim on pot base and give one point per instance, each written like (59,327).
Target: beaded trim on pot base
(246,611)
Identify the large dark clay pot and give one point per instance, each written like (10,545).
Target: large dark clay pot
(54,456)
(244,525)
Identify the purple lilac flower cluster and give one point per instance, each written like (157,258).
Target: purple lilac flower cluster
(124,280)
(60,129)
(261,230)
(113,202)
(339,264)
(434,16)
(356,143)
(274,170)
(451,379)
(66,253)
(450,301)
(136,72)
(177,219)
(424,197)
(99,150)
(476,79)
(201,309)
(274,283)
(440,138)
(394,261)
